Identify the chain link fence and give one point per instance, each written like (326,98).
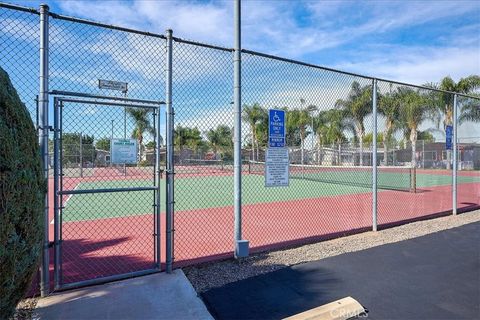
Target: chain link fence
(331,130)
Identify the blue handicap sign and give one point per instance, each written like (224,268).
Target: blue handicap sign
(448,135)
(276,128)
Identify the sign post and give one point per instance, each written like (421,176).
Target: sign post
(276,158)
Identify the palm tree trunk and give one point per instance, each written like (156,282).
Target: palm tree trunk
(140,140)
(413,140)
(319,150)
(339,162)
(449,159)
(302,147)
(253,142)
(360,137)
(385,149)
(258,150)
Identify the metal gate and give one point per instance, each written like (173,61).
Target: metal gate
(107,174)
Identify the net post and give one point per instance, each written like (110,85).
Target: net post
(374,156)
(43,141)
(81,154)
(169,167)
(454,169)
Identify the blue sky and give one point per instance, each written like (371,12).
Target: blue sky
(411,41)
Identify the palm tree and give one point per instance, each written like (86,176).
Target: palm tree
(415,109)
(300,119)
(141,118)
(444,101)
(220,139)
(190,137)
(356,107)
(252,115)
(195,140)
(320,128)
(335,129)
(470,111)
(389,107)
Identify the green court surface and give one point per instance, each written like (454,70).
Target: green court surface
(217,191)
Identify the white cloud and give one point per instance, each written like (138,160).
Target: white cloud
(417,65)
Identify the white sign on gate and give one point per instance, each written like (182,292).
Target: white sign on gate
(123,151)
(276,167)
(113,85)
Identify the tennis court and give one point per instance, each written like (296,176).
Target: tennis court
(108,233)
(303,185)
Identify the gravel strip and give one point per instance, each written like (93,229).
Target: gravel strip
(216,274)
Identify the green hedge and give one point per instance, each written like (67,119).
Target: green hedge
(22,190)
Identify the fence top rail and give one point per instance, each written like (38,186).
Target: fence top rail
(265,55)
(93,96)
(18,8)
(306,64)
(105,25)
(200,44)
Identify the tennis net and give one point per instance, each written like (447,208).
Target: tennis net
(400,178)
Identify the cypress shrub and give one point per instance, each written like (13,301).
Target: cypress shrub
(22,188)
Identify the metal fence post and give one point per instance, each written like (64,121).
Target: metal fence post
(454,171)
(169,165)
(241,246)
(43,141)
(158,182)
(56,200)
(374,157)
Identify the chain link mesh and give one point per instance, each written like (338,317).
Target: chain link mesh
(19,47)
(468,154)
(202,82)
(329,190)
(329,135)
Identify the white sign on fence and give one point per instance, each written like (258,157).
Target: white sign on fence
(123,151)
(113,85)
(276,167)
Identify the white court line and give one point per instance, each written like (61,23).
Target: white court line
(65,204)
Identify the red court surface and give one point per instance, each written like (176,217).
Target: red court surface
(103,247)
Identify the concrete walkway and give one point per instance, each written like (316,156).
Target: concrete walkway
(158,296)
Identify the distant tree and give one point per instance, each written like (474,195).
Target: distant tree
(320,127)
(141,118)
(300,118)
(337,125)
(368,138)
(415,110)
(71,150)
(220,140)
(103,144)
(150,145)
(190,138)
(389,107)
(355,108)
(253,115)
(425,136)
(444,101)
